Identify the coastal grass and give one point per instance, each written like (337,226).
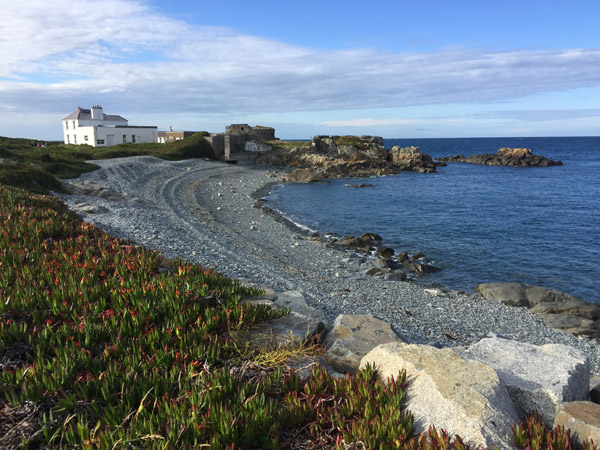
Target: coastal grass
(287,145)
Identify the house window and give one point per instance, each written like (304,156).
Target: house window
(67,125)
(67,138)
(133,138)
(99,141)
(75,139)
(124,138)
(73,124)
(85,138)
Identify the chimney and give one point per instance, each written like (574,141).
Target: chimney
(97,113)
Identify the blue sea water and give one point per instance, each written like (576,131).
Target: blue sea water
(539,226)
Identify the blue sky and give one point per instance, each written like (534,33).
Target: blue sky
(389,68)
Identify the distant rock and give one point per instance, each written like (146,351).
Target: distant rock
(411,158)
(521,157)
(346,156)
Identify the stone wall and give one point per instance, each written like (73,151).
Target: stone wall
(255,146)
(258,132)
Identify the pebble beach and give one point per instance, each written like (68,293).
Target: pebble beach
(210,213)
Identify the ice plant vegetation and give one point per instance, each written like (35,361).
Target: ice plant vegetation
(115,353)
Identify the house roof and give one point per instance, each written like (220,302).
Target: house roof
(86,114)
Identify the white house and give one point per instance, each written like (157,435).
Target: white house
(93,127)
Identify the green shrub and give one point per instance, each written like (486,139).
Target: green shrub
(194,146)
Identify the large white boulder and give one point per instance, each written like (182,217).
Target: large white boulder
(538,378)
(464,397)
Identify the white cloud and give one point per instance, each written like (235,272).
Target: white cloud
(126,56)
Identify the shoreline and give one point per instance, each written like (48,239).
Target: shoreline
(207,212)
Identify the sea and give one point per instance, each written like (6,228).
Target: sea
(538,226)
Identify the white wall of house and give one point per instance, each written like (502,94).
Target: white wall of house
(102,136)
(101,130)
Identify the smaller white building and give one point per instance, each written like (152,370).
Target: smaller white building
(93,127)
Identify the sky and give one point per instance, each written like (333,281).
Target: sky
(391,68)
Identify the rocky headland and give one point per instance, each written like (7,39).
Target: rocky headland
(344,156)
(519,157)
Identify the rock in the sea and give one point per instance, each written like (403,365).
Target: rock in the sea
(352,337)
(538,378)
(352,243)
(303,176)
(420,268)
(371,237)
(384,252)
(411,158)
(521,157)
(582,419)
(465,397)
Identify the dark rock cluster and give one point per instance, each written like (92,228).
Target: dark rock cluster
(520,157)
(383,261)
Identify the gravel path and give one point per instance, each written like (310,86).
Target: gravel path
(205,211)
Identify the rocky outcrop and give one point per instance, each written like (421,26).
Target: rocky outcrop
(583,421)
(463,396)
(352,337)
(524,369)
(521,157)
(382,260)
(303,176)
(559,310)
(347,156)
